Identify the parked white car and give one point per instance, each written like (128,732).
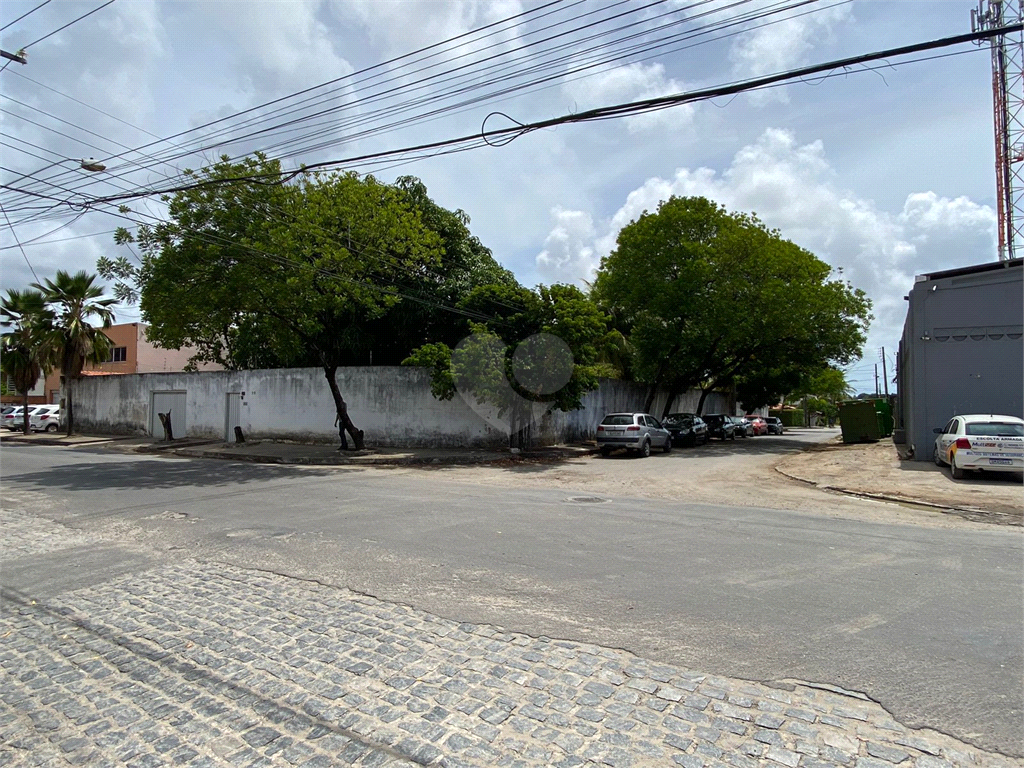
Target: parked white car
(980,442)
(15,420)
(45,418)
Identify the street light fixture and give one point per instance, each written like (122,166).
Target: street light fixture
(89,164)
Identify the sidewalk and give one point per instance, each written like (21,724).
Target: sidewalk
(289,452)
(202,665)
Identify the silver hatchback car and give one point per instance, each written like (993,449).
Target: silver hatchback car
(637,432)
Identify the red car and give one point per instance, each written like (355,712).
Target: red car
(759,424)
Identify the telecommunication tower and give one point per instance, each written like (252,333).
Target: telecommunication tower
(1008,113)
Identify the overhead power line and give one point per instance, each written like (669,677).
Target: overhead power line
(365,70)
(27,13)
(579,59)
(600,113)
(23,254)
(62,28)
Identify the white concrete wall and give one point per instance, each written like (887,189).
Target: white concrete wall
(392,404)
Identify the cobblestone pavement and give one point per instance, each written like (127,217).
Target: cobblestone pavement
(199,664)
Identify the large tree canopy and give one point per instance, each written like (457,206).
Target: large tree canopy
(253,273)
(528,351)
(424,314)
(711,299)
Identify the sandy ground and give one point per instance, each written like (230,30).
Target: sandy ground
(877,469)
(810,472)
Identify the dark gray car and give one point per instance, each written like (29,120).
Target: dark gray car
(637,432)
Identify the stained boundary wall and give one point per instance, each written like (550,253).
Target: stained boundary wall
(392,404)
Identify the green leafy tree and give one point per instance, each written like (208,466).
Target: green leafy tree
(423,314)
(712,299)
(255,273)
(28,352)
(530,351)
(76,301)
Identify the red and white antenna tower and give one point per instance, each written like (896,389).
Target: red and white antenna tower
(1008,109)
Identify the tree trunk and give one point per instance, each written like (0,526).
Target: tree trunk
(651,394)
(165,422)
(24,412)
(71,408)
(672,395)
(520,434)
(342,408)
(700,403)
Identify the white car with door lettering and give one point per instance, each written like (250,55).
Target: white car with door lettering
(980,442)
(46,418)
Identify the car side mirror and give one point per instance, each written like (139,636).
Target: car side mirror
(937,430)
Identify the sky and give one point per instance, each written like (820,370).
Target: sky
(883,173)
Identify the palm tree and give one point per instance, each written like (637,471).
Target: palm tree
(28,352)
(75,299)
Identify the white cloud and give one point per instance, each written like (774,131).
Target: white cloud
(569,250)
(782,46)
(282,48)
(400,27)
(792,188)
(632,82)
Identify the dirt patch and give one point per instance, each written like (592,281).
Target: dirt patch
(876,470)
(744,474)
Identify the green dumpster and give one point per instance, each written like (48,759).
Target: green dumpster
(865,421)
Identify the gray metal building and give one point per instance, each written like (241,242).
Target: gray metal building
(962,350)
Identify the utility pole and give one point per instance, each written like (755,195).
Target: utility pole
(18,57)
(885,376)
(876,379)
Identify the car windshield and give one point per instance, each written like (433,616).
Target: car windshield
(677,420)
(995,429)
(618,419)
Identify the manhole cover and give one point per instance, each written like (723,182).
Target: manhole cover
(586,499)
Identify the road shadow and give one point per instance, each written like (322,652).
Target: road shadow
(151,474)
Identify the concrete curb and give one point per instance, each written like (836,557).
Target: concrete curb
(195,449)
(879,496)
(378,461)
(58,441)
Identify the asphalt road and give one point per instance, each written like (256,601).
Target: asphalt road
(927,621)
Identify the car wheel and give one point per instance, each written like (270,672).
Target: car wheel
(51,427)
(936,457)
(645,449)
(606,450)
(668,446)
(955,471)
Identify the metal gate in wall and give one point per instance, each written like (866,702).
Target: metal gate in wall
(233,416)
(162,402)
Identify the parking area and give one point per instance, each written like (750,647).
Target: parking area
(808,470)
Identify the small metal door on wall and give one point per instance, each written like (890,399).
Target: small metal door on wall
(162,402)
(234,415)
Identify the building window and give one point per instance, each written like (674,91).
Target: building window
(118,355)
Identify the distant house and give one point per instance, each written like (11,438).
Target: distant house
(962,350)
(132,352)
